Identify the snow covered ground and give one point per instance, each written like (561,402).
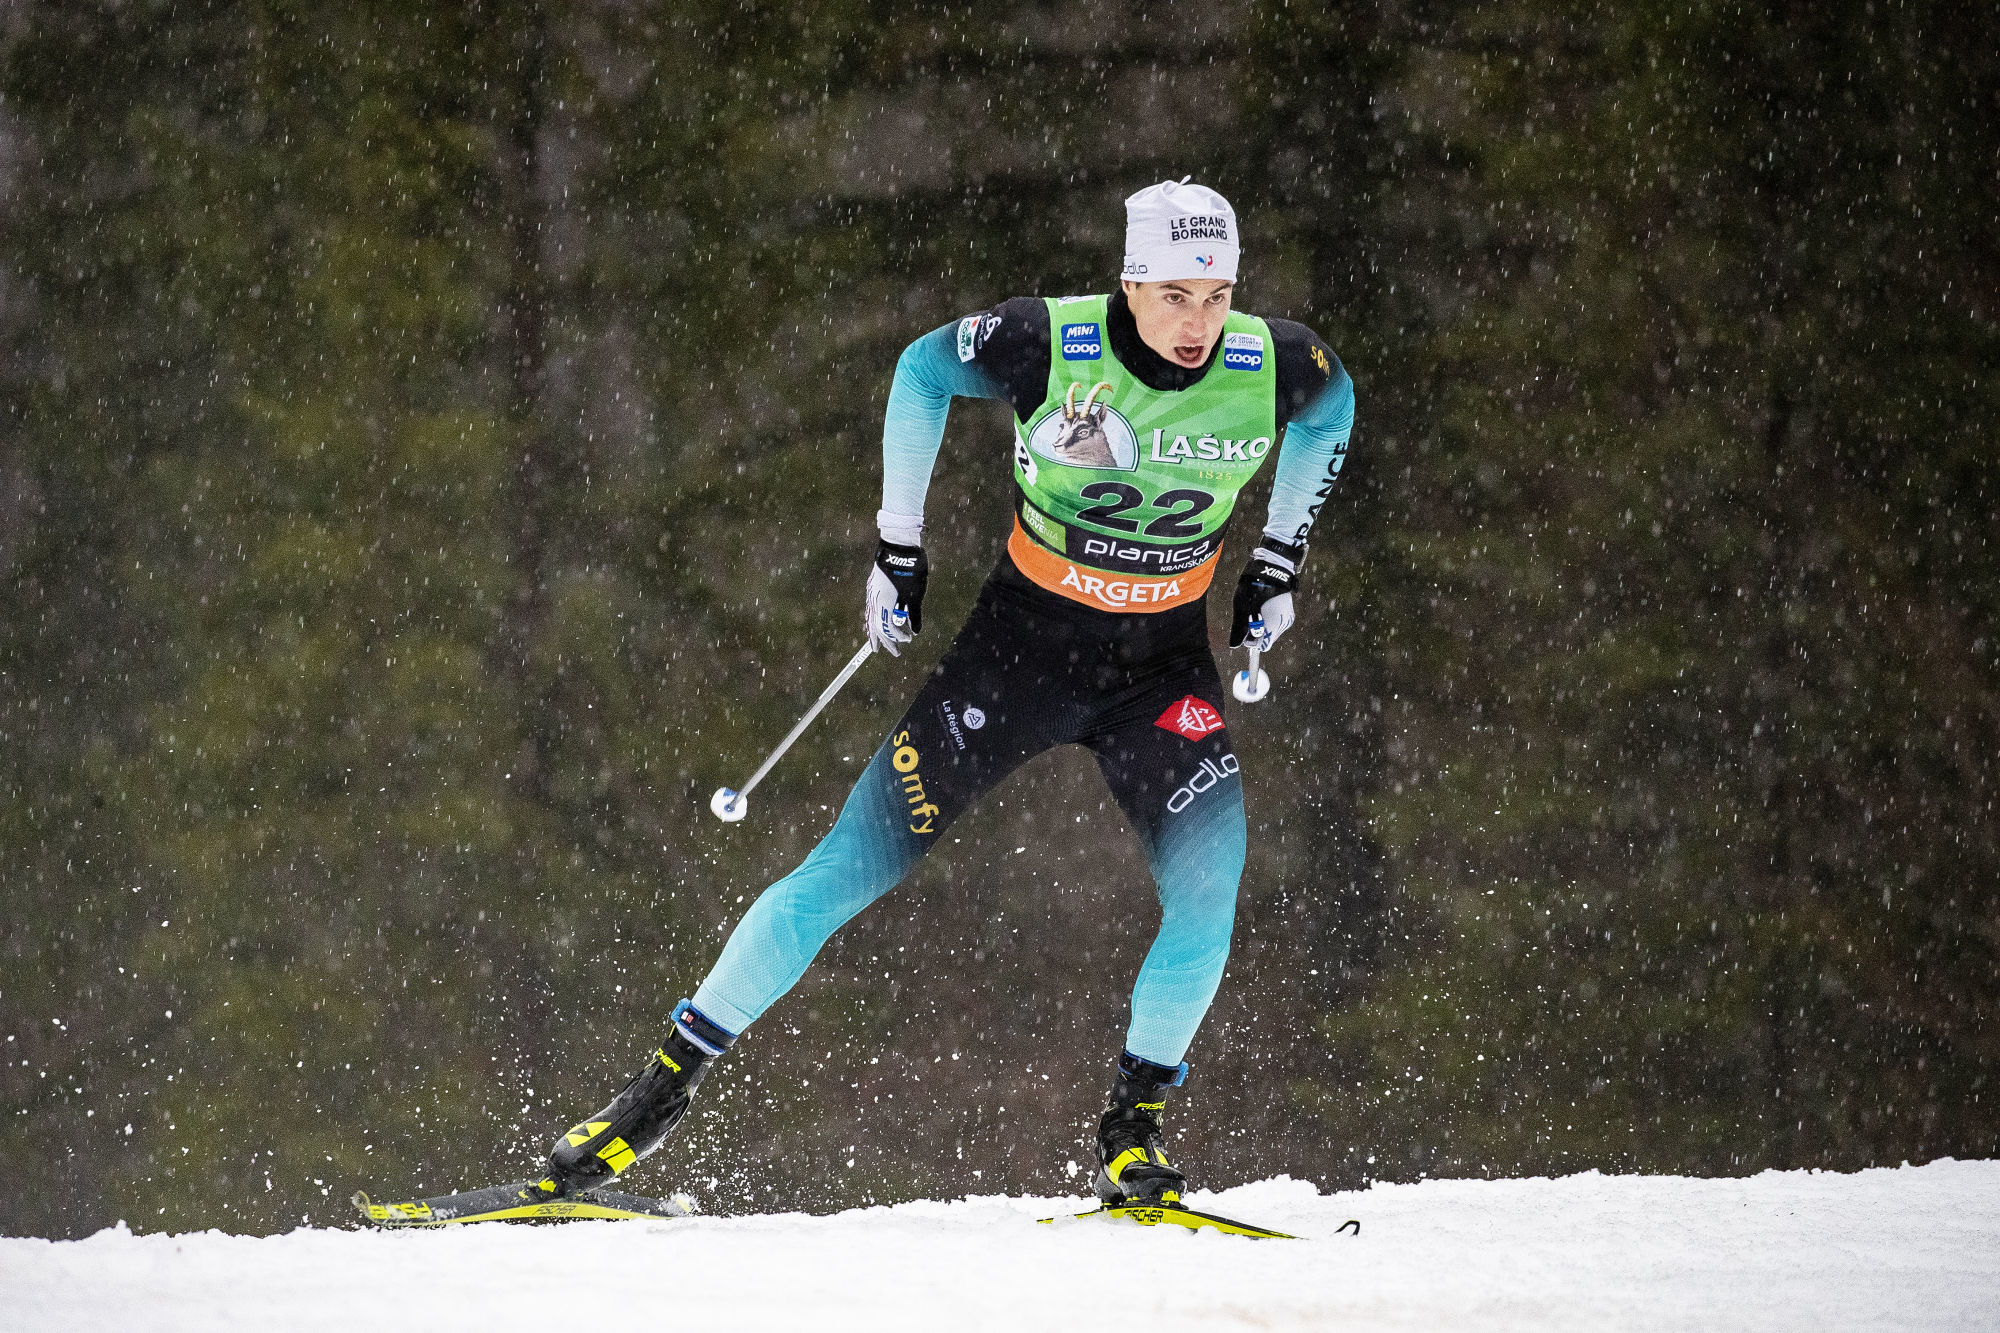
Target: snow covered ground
(1916,1248)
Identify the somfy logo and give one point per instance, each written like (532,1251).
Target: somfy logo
(904,759)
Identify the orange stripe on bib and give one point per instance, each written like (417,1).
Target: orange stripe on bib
(1106,592)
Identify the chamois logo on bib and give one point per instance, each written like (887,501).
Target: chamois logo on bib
(1092,434)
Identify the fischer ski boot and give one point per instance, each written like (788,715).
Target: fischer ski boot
(1132,1165)
(644,1112)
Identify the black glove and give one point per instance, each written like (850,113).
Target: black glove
(896,583)
(1265,592)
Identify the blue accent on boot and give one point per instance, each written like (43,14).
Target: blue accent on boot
(1135,1068)
(704,1033)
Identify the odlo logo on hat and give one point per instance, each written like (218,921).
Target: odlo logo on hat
(1190,718)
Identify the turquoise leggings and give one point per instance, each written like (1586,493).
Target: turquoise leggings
(1029,672)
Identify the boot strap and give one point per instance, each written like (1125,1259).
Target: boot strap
(1140,1156)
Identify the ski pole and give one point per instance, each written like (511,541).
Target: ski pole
(730,806)
(1252,683)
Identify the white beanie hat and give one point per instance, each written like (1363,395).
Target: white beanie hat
(1177,230)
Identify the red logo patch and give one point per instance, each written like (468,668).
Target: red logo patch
(1190,718)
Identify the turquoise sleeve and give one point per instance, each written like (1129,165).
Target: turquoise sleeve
(1315,446)
(929,375)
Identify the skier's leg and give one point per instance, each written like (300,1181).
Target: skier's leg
(976,719)
(1177,780)
(986,708)
(895,812)
(1174,774)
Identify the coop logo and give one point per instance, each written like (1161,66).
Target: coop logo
(1190,718)
(904,760)
(1243,351)
(1081,342)
(1211,772)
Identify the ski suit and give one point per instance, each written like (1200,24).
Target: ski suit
(1090,630)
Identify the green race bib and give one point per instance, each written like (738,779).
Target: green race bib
(1130,480)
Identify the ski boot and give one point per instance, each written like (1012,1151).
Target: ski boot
(1132,1165)
(643,1113)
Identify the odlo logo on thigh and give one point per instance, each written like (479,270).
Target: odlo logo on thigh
(904,761)
(1211,772)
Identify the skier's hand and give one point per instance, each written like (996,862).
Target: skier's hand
(896,595)
(1265,592)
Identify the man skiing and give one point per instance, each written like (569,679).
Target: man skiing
(1138,419)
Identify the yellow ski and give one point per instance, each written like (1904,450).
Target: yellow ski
(518,1203)
(1175,1213)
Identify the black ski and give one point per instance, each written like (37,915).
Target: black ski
(521,1202)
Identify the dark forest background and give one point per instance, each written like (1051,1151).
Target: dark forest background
(441,443)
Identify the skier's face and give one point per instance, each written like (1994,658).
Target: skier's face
(1180,319)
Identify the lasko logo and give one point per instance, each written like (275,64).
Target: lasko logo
(904,760)
(1190,718)
(1081,342)
(1211,772)
(1243,351)
(1207,446)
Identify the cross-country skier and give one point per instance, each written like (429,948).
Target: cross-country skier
(1138,419)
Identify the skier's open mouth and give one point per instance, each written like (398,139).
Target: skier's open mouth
(1190,354)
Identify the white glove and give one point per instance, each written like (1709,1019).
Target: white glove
(1278,618)
(894,611)
(885,621)
(1265,593)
